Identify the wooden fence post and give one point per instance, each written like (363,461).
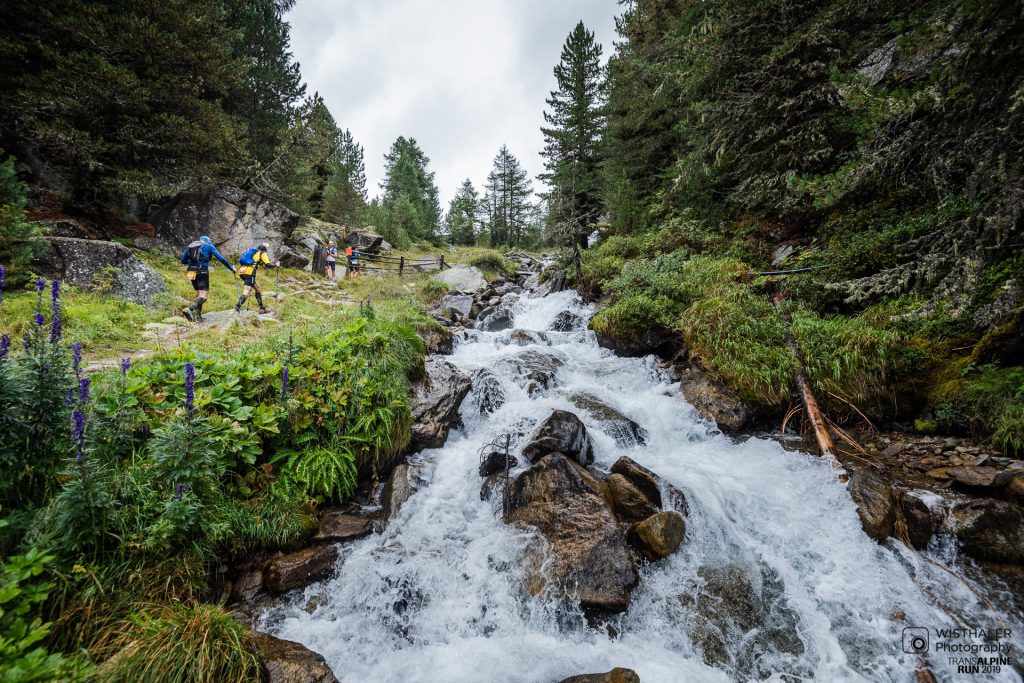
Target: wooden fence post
(401,265)
(442,263)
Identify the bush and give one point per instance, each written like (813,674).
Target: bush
(18,245)
(742,337)
(327,473)
(180,643)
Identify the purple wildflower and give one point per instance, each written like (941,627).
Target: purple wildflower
(181,489)
(5,345)
(40,319)
(56,319)
(76,359)
(78,431)
(40,285)
(83,390)
(70,398)
(190,388)
(284,382)
(3,277)
(55,292)
(126,365)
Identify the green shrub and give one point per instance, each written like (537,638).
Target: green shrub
(434,290)
(632,316)
(180,643)
(742,337)
(329,474)
(22,591)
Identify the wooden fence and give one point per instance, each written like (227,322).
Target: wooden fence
(380,263)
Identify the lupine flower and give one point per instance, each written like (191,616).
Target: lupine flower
(83,390)
(284,382)
(70,398)
(76,359)
(3,276)
(78,431)
(56,320)
(181,489)
(190,388)
(40,285)
(126,365)
(5,345)
(40,319)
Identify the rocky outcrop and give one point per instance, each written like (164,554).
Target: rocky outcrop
(299,569)
(337,527)
(106,267)
(435,403)
(873,497)
(587,558)
(713,400)
(616,675)
(658,536)
(285,661)
(562,432)
(989,529)
(626,432)
(462,278)
(233,219)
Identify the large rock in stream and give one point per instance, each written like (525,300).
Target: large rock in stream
(285,661)
(713,400)
(562,432)
(875,505)
(435,403)
(532,370)
(589,560)
(989,529)
(616,675)
(462,278)
(659,535)
(299,569)
(625,431)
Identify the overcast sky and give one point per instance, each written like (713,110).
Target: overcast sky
(461,76)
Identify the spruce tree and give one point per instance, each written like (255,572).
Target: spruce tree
(463,217)
(345,194)
(572,138)
(507,200)
(411,208)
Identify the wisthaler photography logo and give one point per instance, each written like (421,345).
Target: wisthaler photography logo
(915,640)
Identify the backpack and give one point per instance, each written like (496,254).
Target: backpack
(195,253)
(247,258)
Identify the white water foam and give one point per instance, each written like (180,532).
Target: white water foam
(439,595)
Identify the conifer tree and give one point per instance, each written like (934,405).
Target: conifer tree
(345,194)
(572,138)
(411,206)
(463,217)
(508,192)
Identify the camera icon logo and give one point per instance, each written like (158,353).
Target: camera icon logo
(915,640)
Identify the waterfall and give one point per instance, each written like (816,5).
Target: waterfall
(775,575)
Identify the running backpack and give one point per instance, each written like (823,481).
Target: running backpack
(195,253)
(247,258)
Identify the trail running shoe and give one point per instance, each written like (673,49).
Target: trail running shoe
(188,314)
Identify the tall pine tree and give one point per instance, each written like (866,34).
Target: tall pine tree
(463,217)
(510,212)
(572,138)
(411,208)
(345,195)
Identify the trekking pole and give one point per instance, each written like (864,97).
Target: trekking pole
(277,286)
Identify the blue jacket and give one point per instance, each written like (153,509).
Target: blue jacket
(207,252)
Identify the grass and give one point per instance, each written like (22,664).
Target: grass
(179,644)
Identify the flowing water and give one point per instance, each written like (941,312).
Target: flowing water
(774,581)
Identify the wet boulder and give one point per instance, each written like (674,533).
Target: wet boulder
(651,485)
(616,675)
(494,319)
(562,432)
(285,661)
(742,623)
(487,392)
(567,321)
(989,529)
(299,569)
(713,400)
(435,403)
(401,484)
(636,344)
(626,432)
(107,267)
(658,536)
(630,504)
(533,370)
(495,462)
(337,527)
(978,478)
(919,519)
(873,497)
(586,557)
(437,340)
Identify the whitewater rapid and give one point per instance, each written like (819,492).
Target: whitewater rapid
(439,595)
